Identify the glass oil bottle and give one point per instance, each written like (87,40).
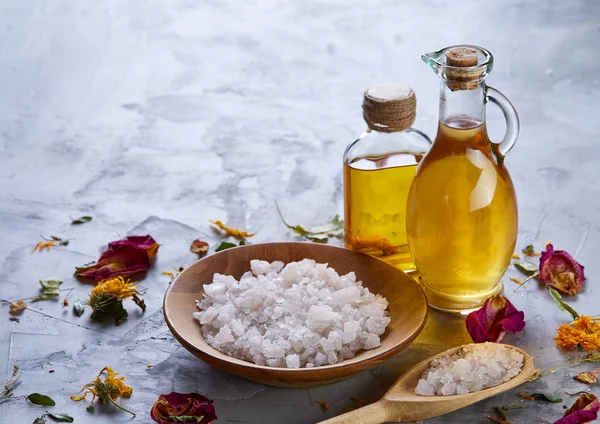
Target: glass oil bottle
(379,167)
(462,208)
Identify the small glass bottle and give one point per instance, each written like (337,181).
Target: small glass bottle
(379,167)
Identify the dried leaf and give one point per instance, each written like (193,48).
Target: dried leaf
(588,377)
(78,307)
(14,319)
(63,418)
(502,419)
(81,220)
(90,409)
(17,308)
(562,305)
(200,247)
(529,250)
(139,301)
(42,400)
(40,420)
(324,406)
(231,231)
(60,241)
(318,234)
(225,245)
(516,256)
(50,289)
(540,396)
(527,267)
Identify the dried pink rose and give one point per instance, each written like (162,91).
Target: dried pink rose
(123,258)
(559,270)
(584,410)
(493,320)
(190,407)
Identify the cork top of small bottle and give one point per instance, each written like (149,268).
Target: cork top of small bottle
(389,107)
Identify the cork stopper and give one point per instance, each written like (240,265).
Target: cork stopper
(463,79)
(389,107)
(462,57)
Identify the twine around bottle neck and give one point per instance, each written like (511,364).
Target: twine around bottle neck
(389,107)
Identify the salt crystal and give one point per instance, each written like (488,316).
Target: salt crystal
(299,315)
(471,369)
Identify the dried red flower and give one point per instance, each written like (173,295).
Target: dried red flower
(198,246)
(494,319)
(559,270)
(584,410)
(123,258)
(190,405)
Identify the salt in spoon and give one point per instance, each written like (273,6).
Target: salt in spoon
(402,404)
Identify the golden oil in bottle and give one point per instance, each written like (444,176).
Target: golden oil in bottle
(462,218)
(378,170)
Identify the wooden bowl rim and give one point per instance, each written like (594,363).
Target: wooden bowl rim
(214,355)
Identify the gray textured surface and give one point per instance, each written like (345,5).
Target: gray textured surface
(155,116)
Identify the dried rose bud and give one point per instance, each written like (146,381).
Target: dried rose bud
(559,270)
(123,258)
(177,407)
(584,410)
(493,320)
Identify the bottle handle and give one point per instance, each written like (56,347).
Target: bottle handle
(512,121)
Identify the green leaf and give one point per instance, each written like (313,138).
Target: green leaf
(78,307)
(242,242)
(63,418)
(15,319)
(114,310)
(562,305)
(320,233)
(527,267)
(90,409)
(529,249)
(225,245)
(41,400)
(40,420)
(81,220)
(50,289)
(511,407)
(186,419)
(545,397)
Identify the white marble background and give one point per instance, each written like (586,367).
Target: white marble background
(155,116)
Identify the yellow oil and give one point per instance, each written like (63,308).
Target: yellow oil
(376,190)
(462,218)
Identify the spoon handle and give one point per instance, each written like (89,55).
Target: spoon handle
(375,413)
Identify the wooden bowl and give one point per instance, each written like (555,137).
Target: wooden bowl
(407,308)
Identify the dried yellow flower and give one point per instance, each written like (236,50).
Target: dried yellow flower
(583,332)
(107,298)
(43,245)
(231,231)
(108,390)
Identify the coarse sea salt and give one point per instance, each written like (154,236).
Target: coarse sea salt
(300,315)
(472,368)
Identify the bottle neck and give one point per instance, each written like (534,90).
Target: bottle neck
(462,108)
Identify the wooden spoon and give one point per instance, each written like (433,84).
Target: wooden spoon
(401,404)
